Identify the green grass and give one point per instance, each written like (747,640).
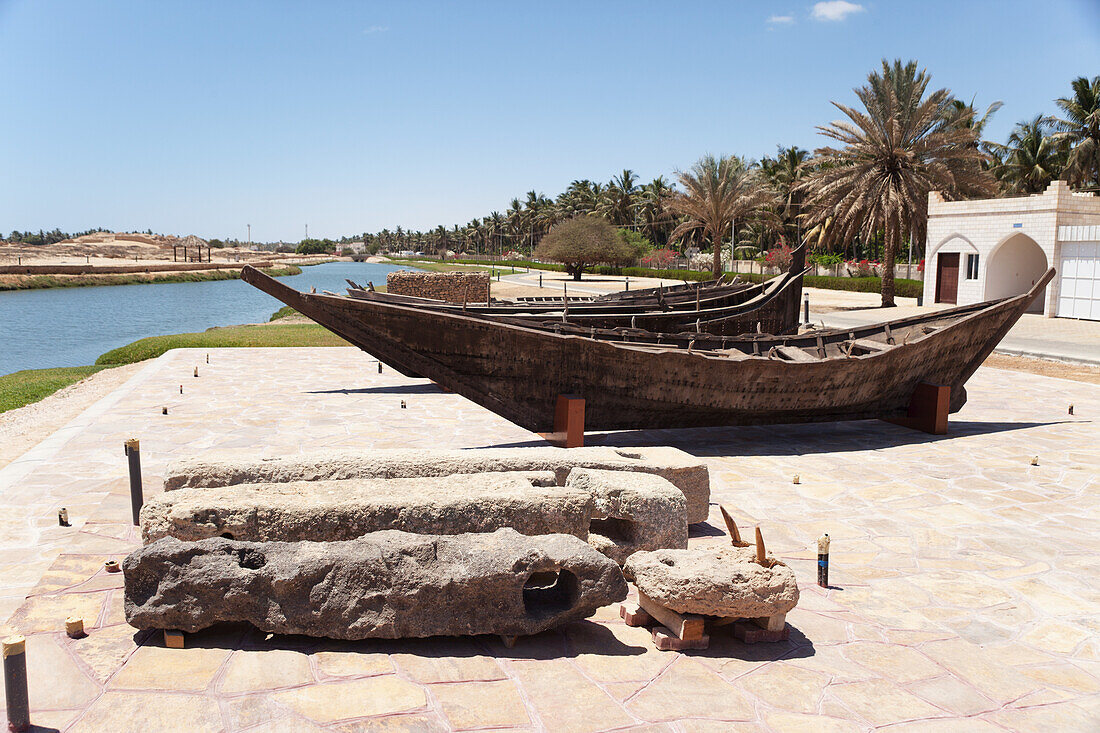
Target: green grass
(31,385)
(39,282)
(297,334)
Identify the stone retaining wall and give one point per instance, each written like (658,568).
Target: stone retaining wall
(455,287)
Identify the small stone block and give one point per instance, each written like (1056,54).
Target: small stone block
(632,615)
(173,639)
(666,641)
(750,633)
(74,627)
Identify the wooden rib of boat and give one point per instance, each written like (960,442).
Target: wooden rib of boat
(518,372)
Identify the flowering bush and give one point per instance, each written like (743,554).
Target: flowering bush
(659,259)
(513,255)
(779,257)
(863,268)
(920,267)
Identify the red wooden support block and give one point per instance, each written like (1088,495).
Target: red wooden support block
(928,409)
(666,641)
(633,615)
(568,422)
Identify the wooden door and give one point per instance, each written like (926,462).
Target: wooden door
(947,277)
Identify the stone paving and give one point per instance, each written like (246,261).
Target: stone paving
(965,597)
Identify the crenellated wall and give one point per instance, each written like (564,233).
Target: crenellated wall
(455,287)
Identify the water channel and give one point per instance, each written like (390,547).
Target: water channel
(72,326)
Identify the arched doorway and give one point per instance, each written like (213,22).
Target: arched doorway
(1014,267)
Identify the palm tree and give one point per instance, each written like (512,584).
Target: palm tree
(717,191)
(619,200)
(785,173)
(1081,130)
(894,153)
(578,199)
(652,213)
(1031,159)
(961,114)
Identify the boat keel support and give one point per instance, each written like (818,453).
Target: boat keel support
(568,422)
(928,409)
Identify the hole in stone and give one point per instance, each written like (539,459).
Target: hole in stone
(668,561)
(619,531)
(250,559)
(628,454)
(549,593)
(227,535)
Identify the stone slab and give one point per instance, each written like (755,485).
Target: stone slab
(686,472)
(330,510)
(723,582)
(632,511)
(386,584)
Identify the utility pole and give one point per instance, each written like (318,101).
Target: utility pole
(307,231)
(249,234)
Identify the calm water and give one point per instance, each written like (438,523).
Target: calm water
(73,326)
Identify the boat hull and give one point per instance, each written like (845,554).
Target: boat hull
(519,372)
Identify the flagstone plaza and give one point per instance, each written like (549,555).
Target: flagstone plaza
(965,582)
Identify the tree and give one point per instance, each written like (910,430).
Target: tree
(1080,129)
(581,242)
(1031,159)
(785,172)
(315,247)
(619,200)
(716,192)
(895,151)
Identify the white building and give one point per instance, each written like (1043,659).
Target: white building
(992,248)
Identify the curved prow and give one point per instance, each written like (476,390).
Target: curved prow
(798,260)
(1040,285)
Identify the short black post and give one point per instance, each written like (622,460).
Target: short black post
(823,561)
(540,279)
(806,310)
(133,453)
(15,683)
(628,285)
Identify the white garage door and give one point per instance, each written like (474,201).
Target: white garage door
(1079,268)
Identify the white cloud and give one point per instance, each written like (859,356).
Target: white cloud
(376,29)
(834,10)
(781,19)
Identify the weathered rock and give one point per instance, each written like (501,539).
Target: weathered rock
(686,472)
(726,582)
(632,511)
(386,584)
(328,510)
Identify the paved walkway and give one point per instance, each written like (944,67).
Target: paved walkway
(966,589)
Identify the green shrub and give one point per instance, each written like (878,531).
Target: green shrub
(283,312)
(824,259)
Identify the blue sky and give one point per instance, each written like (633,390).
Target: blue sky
(202,117)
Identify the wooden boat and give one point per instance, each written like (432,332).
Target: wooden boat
(770,307)
(698,297)
(519,372)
